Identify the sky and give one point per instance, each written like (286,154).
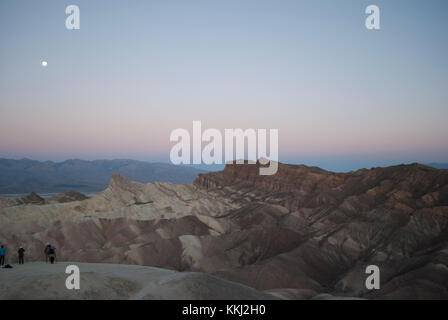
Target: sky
(341,96)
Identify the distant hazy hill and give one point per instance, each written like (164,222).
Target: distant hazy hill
(438,165)
(24,176)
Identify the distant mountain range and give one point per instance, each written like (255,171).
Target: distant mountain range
(438,165)
(25,175)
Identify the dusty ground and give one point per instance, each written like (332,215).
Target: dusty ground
(39,280)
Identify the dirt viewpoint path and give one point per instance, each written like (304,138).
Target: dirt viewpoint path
(39,280)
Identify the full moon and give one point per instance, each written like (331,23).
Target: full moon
(44,63)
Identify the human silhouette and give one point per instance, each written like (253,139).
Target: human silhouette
(46,252)
(2,255)
(52,254)
(21,253)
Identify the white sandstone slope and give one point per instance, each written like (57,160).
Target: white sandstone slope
(41,281)
(128,222)
(124,198)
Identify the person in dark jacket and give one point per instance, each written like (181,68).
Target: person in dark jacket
(21,253)
(46,250)
(52,254)
(2,255)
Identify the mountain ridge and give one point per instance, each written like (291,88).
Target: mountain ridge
(25,175)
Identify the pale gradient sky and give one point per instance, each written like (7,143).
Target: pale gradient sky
(342,97)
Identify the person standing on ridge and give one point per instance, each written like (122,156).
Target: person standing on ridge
(52,254)
(2,255)
(46,250)
(21,253)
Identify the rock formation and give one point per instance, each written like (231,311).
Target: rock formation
(299,234)
(67,196)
